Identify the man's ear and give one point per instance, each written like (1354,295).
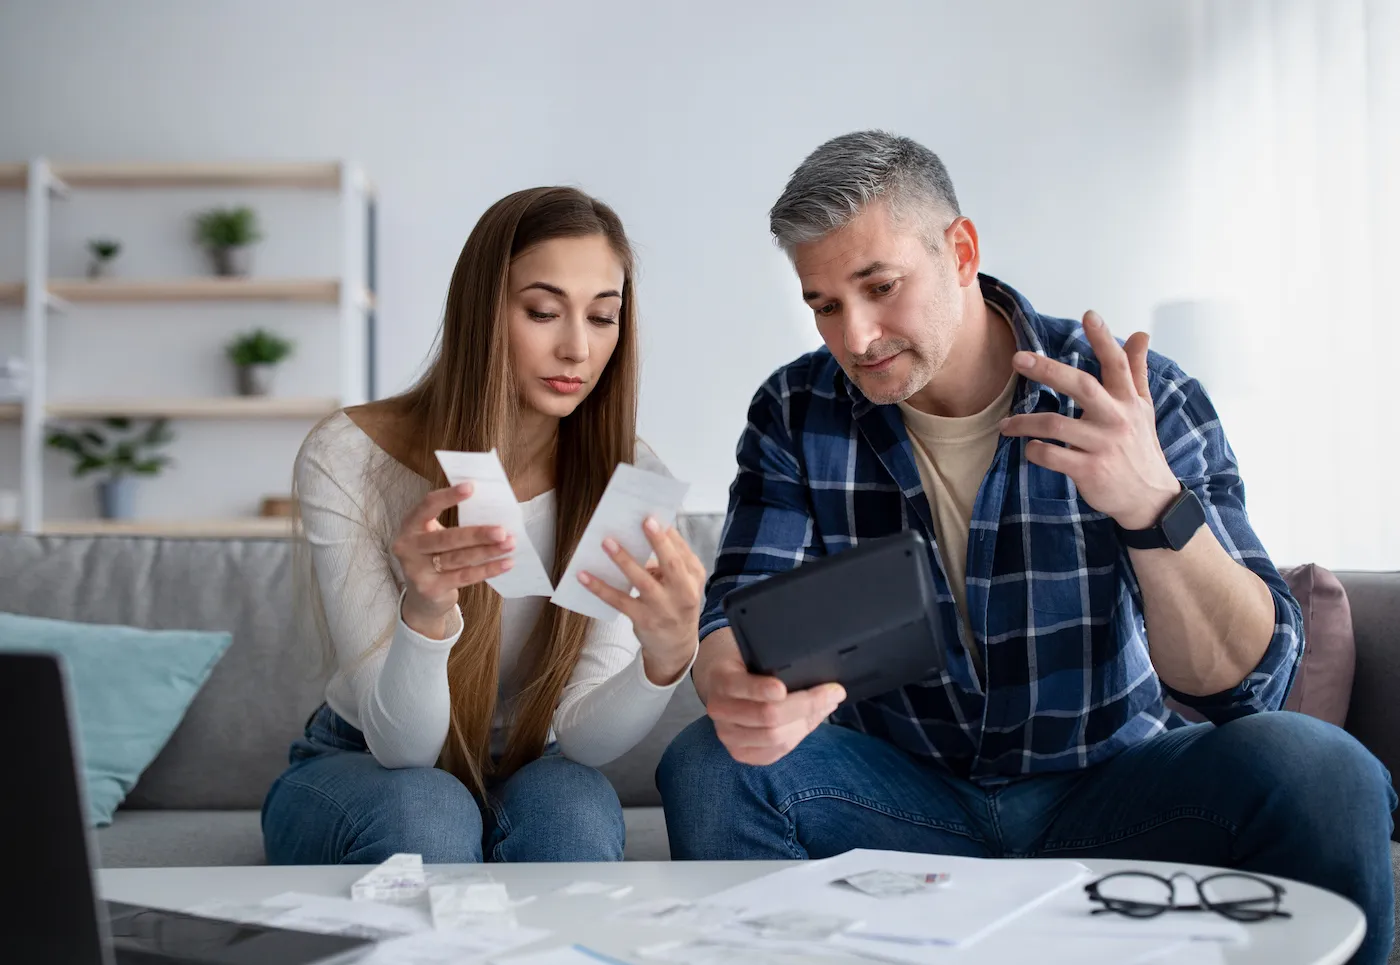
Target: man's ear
(961,238)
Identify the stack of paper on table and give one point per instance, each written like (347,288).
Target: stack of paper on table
(873,905)
(978,897)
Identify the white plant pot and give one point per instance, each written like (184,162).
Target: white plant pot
(232,262)
(117,497)
(256,379)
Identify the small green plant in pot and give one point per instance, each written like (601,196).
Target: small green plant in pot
(228,235)
(120,450)
(104,251)
(255,356)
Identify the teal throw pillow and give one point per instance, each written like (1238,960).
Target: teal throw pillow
(130,689)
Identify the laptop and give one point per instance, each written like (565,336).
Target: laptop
(49,911)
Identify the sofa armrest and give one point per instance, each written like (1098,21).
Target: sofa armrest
(1374,716)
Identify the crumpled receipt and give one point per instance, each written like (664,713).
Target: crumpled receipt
(398,880)
(471,905)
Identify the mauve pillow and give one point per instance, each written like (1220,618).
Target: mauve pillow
(1322,686)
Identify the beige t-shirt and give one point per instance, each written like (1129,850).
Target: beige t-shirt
(954,455)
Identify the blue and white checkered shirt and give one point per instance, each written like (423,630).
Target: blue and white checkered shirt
(1053,604)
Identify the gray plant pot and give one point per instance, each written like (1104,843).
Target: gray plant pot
(255,379)
(116,497)
(98,268)
(232,262)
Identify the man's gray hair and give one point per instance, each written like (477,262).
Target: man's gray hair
(845,174)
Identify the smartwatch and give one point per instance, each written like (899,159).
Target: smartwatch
(1174,530)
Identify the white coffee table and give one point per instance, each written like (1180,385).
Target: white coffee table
(1325,928)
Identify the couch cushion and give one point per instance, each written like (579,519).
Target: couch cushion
(1322,686)
(129,690)
(646,835)
(181,839)
(233,741)
(208,839)
(633,774)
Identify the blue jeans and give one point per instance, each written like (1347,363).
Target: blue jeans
(1277,793)
(336,804)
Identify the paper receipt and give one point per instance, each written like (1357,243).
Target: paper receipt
(492,503)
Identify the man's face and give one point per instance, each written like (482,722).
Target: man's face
(887,307)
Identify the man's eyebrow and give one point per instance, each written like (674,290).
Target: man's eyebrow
(874,268)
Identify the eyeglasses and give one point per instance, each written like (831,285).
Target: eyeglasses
(1140,894)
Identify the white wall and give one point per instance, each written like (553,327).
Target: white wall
(1064,126)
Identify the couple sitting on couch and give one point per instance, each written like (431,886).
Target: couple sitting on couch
(1074,494)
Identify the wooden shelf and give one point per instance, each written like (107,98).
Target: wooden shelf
(323,290)
(319,175)
(277,527)
(231,407)
(10,411)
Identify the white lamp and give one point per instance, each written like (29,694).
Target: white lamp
(1207,337)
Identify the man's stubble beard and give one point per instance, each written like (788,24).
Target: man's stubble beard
(923,368)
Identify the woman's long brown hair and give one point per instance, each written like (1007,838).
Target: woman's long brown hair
(467,400)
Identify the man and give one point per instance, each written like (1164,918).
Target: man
(1092,556)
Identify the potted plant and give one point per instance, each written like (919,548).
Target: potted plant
(122,452)
(228,235)
(255,355)
(104,251)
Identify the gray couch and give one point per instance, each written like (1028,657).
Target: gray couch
(198,802)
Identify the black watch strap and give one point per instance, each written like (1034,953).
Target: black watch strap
(1174,530)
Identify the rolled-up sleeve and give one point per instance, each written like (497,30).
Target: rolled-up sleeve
(1198,452)
(769,527)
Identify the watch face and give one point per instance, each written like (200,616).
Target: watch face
(1182,520)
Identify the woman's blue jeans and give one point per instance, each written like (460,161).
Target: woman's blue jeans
(336,804)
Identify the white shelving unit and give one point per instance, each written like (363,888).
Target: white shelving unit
(41,296)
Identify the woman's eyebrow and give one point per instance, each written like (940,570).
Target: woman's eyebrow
(556,290)
(546,286)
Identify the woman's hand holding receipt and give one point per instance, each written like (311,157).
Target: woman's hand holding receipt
(666,609)
(438,560)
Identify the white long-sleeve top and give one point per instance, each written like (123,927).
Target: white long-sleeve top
(389,681)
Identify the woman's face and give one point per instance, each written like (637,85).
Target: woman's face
(564,307)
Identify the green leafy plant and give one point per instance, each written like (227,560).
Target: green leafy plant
(104,249)
(258,347)
(122,449)
(227,227)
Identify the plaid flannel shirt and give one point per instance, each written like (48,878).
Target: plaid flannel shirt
(1053,602)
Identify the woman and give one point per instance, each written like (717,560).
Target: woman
(457,725)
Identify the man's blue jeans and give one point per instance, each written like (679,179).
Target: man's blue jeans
(1277,793)
(337,805)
